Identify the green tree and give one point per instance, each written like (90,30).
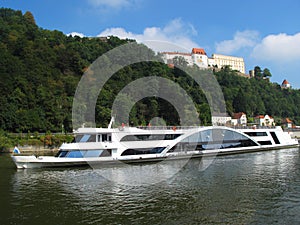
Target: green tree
(257,72)
(29,17)
(266,73)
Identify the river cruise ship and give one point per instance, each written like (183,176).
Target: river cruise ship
(102,146)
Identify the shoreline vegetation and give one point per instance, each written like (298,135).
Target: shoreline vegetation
(33,142)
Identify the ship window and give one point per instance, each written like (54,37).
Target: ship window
(97,153)
(213,139)
(61,154)
(104,137)
(265,142)
(141,151)
(106,153)
(275,138)
(148,137)
(75,154)
(171,136)
(92,138)
(256,134)
(78,138)
(93,153)
(85,138)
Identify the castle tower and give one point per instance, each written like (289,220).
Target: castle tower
(285,84)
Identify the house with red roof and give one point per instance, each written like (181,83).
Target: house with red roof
(264,120)
(287,122)
(239,118)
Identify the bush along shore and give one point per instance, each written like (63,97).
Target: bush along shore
(33,142)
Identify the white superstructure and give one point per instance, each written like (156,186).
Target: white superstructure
(99,146)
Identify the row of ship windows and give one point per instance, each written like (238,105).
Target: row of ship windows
(145,137)
(180,147)
(140,137)
(148,137)
(202,136)
(93,138)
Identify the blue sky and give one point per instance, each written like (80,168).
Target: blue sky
(264,32)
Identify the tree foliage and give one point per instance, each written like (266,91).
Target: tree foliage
(259,96)
(39,72)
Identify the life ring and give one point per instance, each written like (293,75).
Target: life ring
(174,128)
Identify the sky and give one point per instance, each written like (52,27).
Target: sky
(265,33)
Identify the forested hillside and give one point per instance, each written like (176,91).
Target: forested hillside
(40,70)
(258,96)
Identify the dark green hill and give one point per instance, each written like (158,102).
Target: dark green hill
(40,70)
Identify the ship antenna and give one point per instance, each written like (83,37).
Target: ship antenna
(112,120)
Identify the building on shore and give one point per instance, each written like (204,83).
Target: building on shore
(239,118)
(286,122)
(264,120)
(220,120)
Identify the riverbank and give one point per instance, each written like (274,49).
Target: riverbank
(33,142)
(34,150)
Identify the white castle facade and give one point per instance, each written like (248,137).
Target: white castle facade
(199,58)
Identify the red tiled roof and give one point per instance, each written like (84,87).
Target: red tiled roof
(287,120)
(285,82)
(260,117)
(198,51)
(238,115)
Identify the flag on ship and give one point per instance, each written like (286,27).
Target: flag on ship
(16,150)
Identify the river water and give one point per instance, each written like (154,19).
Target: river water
(252,188)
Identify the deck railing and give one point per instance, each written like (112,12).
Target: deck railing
(193,127)
(167,127)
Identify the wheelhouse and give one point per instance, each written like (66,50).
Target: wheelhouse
(99,137)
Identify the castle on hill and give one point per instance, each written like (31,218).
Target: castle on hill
(199,58)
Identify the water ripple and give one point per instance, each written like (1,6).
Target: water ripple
(256,188)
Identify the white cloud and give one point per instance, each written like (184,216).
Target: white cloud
(244,39)
(280,48)
(112,3)
(73,34)
(176,32)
